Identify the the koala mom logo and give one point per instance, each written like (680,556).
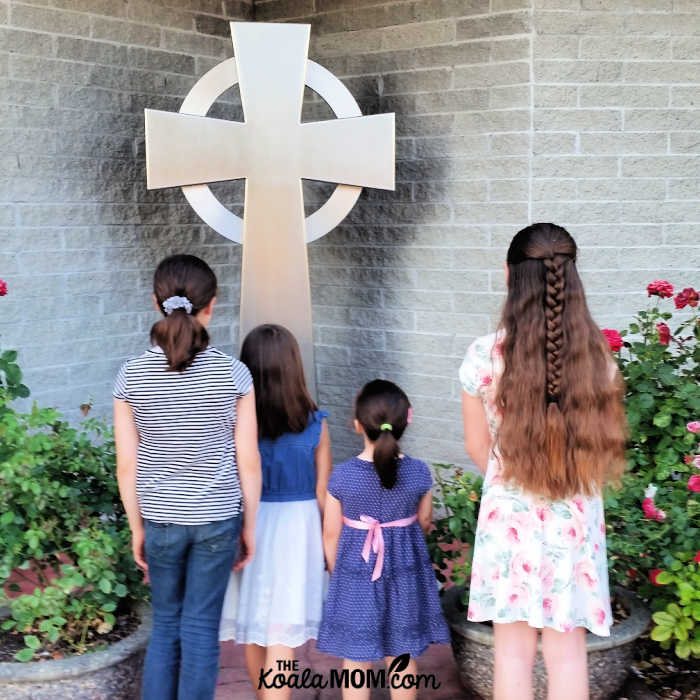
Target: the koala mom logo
(288,675)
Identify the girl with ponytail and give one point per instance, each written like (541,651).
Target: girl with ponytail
(383,598)
(544,419)
(189,476)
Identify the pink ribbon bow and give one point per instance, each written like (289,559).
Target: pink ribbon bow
(375,539)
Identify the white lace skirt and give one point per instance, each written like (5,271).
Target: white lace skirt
(278,597)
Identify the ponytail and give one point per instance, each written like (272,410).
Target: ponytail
(181,336)
(386,458)
(183,285)
(382,409)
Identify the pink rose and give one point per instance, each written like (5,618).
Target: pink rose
(492,515)
(548,607)
(697,557)
(614,339)
(512,535)
(664,333)
(543,513)
(498,349)
(3,288)
(518,595)
(660,288)
(573,533)
(694,483)
(649,508)
(660,515)
(599,616)
(653,576)
(693,426)
(520,566)
(566,627)
(586,574)
(688,297)
(546,575)
(486,380)
(696,461)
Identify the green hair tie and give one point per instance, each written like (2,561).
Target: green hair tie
(386,426)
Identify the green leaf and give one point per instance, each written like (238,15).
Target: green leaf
(105,585)
(24,654)
(661,634)
(665,578)
(10,355)
(7,518)
(663,619)
(120,590)
(683,649)
(8,625)
(662,420)
(32,641)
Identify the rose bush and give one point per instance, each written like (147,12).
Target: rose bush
(653,520)
(62,527)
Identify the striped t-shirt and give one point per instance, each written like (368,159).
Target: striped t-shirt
(186,470)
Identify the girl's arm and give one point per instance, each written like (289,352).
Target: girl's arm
(425,511)
(249,472)
(126,437)
(323,466)
(332,526)
(477,437)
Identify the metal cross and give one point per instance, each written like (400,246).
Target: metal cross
(273,150)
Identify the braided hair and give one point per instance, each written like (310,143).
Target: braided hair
(562,430)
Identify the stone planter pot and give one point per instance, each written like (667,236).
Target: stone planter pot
(111,674)
(609,658)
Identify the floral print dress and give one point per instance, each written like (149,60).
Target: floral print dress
(535,560)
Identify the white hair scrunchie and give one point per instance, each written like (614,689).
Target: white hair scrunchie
(172,303)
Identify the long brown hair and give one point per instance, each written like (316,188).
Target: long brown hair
(180,334)
(563,427)
(382,407)
(282,400)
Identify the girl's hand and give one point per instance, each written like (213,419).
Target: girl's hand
(138,548)
(246,548)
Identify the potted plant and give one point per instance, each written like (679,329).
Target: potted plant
(457,498)
(72,624)
(654,519)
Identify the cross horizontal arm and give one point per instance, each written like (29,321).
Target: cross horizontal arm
(354,151)
(182,149)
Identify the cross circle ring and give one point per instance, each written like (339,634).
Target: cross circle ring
(198,102)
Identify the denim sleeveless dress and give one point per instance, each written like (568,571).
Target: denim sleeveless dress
(278,597)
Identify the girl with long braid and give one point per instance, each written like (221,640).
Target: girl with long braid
(544,420)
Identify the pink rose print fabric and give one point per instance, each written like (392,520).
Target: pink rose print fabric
(535,560)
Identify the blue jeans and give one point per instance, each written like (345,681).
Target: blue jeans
(189,567)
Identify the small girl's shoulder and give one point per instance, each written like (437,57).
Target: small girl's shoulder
(418,472)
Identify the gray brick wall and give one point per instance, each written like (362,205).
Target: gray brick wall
(584,112)
(79,233)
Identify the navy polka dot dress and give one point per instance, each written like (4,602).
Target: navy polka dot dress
(400,612)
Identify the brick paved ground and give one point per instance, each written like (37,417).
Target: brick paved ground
(234,684)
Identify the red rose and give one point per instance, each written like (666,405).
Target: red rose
(697,557)
(664,333)
(3,288)
(694,483)
(653,575)
(660,288)
(649,508)
(688,297)
(688,459)
(614,339)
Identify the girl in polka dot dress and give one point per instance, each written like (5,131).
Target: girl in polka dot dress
(383,596)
